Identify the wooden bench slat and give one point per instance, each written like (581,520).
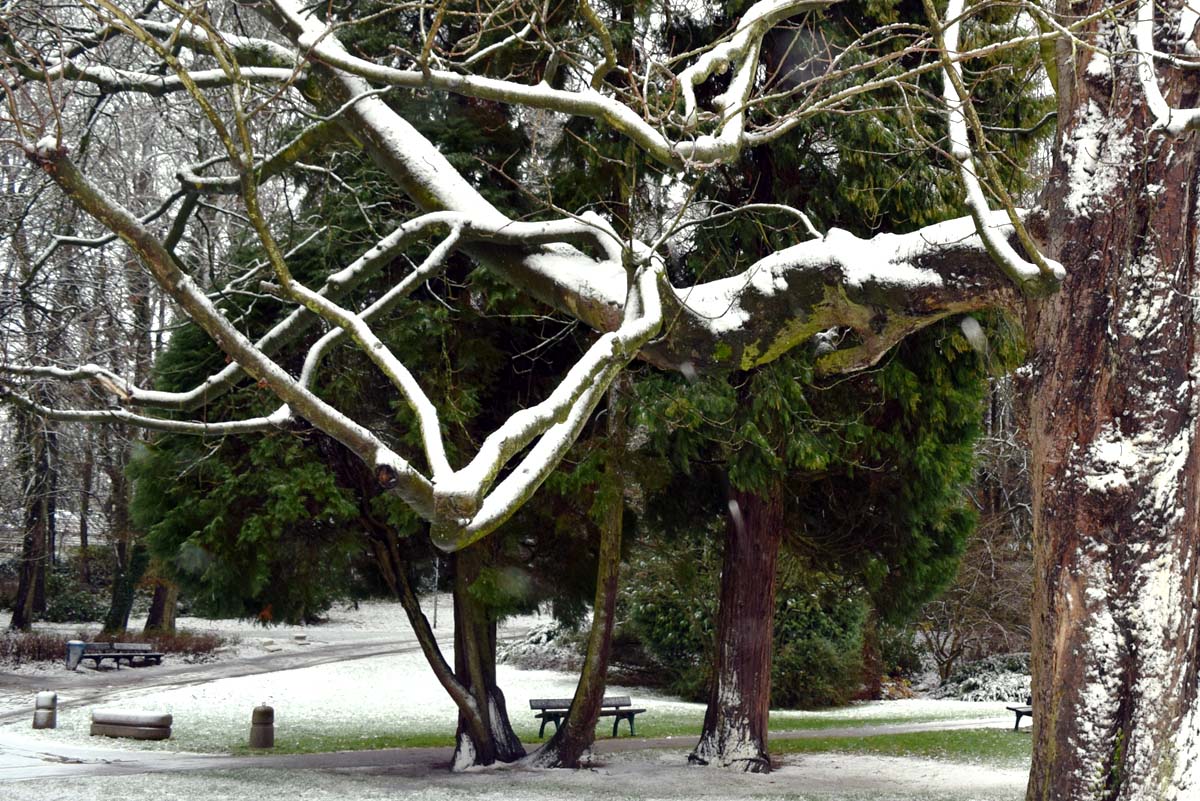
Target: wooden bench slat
(565,703)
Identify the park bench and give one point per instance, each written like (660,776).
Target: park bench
(1021,711)
(116,651)
(555,709)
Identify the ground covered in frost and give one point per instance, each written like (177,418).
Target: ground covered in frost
(645,775)
(392,699)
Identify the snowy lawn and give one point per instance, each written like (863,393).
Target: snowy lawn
(634,776)
(394,700)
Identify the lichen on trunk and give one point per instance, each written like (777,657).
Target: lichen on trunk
(574,737)
(1115,393)
(486,736)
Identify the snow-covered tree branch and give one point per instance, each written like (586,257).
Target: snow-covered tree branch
(288,86)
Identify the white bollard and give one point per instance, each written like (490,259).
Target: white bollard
(45,710)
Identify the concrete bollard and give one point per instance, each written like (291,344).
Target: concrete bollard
(262,727)
(45,710)
(137,725)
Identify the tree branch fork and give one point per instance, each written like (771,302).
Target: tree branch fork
(875,290)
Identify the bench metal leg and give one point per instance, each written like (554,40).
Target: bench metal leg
(617,722)
(548,719)
(1017,725)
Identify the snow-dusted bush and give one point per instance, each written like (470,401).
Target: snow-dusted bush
(1003,677)
(550,645)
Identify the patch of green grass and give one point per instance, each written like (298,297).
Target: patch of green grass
(305,743)
(657,723)
(1000,748)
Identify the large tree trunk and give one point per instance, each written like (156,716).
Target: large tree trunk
(161,617)
(38,510)
(85,505)
(574,737)
(475,669)
(735,723)
(132,559)
(1116,380)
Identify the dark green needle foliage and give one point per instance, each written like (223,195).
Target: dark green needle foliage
(873,469)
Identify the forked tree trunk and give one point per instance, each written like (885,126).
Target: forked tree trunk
(470,718)
(484,732)
(575,736)
(1116,380)
(475,669)
(735,723)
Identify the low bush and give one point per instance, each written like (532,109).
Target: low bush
(182,643)
(68,600)
(18,648)
(1003,677)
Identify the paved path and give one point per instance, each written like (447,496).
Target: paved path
(22,758)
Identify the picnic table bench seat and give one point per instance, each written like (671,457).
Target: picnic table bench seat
(553,710)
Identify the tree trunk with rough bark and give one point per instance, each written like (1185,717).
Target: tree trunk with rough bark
(161,617)
(36,493)
(132,558)
(575,736)
(86,480)
(1116,388)
(735,723)
(475,669)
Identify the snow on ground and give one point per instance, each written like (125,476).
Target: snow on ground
(655,774)
(395,695)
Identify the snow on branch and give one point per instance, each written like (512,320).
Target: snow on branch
(879,290)
(959,109)
(113,81)
(560,418)
(319,42)
(53,160)
(278,420)
(740,326)
(1174,121)
(457,502)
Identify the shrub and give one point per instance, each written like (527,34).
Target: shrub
(899,651)
(18,648)
(672,610)
(818,648)
(1003,677)
(69,600)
